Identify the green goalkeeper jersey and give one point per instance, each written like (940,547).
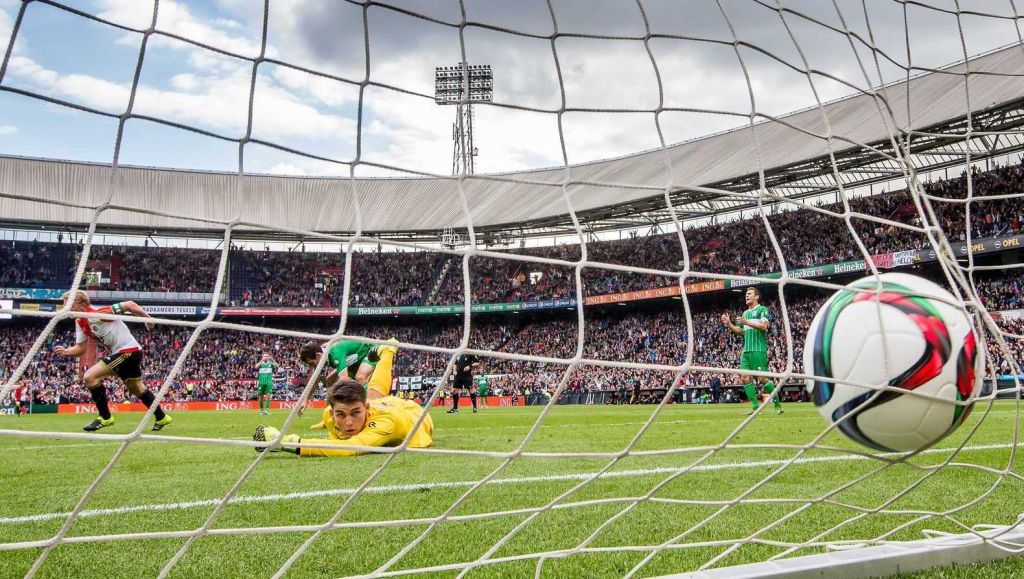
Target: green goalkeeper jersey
(265,372)
(755,340)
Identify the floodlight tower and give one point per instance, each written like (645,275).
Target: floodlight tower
(462,85)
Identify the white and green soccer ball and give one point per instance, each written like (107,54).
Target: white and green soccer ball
(910,336)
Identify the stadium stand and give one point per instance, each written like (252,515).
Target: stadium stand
(222,366)
(308,279)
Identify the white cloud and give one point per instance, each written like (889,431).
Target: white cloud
(130,39)
(212,62)
(272,162)
(228,23)
(216,102)
(26,67)
(325,90)
(7,130)
(177,18)
(287,169)
(416,134)
(132,13)
(5,28)
(281,114)
(79,88)
(185,82)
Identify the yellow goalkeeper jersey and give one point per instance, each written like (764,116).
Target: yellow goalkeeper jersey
(389,422)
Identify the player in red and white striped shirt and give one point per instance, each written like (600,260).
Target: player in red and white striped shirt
(123,359)
(21,399)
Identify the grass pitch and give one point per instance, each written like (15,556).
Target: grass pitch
(169,486)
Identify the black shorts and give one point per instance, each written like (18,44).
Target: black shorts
(126,365)
(462,382)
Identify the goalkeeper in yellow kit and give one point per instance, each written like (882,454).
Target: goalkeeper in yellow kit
(351,420)
(366,364)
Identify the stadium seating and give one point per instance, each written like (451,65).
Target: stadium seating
(658,334)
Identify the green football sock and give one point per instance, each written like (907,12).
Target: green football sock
(769,387)
(751,391)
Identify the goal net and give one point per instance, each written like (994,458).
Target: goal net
(316,123)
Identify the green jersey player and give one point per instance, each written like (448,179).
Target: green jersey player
(481,389)
(355,360)
(265,381)
(753,326)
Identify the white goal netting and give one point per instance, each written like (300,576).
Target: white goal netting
(706,67)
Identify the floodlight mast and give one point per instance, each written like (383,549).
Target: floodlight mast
(462,85)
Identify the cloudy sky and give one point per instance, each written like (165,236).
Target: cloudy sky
(71,58)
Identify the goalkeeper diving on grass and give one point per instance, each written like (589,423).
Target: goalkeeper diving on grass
(352,420)
(358,414)
(365,363)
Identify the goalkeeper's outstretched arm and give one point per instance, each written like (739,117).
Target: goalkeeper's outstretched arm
(353,424)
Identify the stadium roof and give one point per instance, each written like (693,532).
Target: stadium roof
(791,149)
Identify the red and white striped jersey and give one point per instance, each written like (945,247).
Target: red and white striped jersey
(113,334)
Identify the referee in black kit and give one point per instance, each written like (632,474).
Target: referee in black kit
(462,380)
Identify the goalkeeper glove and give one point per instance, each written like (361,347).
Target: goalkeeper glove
(267,433)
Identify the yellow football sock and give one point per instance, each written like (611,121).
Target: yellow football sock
(380,380)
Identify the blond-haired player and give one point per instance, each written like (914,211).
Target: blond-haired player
(123,359)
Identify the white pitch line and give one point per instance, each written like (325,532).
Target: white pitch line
(522,427)
(60,446)
(461,484)
(579,424)
(656,422)
(99,443)
(507,427)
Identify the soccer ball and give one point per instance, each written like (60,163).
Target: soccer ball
(902,338)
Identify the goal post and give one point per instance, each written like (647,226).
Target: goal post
(882,560)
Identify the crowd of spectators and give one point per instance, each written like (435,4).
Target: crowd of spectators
(1014,339)
(809,235)
(393,278)
(35,265)
(222,363)
(301,279)
(155,269)
(806,237)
